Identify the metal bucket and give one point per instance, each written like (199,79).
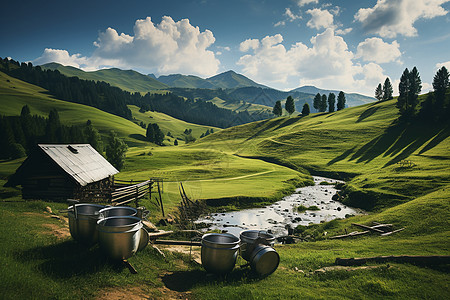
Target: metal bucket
(219,252)
(264,260)
(83,222)
(252,238)
(119,237)
(116,211)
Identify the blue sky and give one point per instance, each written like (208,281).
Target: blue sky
(344,45)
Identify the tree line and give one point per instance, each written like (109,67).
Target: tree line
(435,106)
(20,134)
(320,103)
(114,100)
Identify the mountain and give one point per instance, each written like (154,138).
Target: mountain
(231,79)
(127,80)
(186,81)
(353,99)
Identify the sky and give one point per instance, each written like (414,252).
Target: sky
(339,44)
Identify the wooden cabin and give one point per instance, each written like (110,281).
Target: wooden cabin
(60,172)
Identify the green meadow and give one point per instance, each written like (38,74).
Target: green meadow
(257,163)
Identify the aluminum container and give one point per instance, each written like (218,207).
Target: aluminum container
(119,237)
(83,222)
(250,239)
(117,211)
(264,260)
(219,252)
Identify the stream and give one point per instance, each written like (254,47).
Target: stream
(276,217)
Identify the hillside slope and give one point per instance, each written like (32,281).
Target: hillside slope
(127,80)
(364,144)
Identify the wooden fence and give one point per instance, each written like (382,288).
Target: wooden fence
(120,192)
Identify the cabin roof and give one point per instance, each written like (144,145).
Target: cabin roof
(80,161)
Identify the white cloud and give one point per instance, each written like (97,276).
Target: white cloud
(389,18)
(60,56)
(280,23)
(344,31)
(249,44)
(320,19)
(376,50)
(328,63)
(291,16)
(306,2)
(443,64)
(167,47)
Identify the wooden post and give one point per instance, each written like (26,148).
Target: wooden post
(160,200)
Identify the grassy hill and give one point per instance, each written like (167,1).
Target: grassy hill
(127,80)
(364,144)
(353,99)
(169,124)
(185,81)
(254,162)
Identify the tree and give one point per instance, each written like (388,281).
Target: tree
(290,105)
(331,102)
(440,85)
(175,143)
(115,150)
(316,102)
(93,137)
(154,134)
(341,101)
(305,110)
(409,88)
(415,88)
(387,89)
(277,109)
(379,92)
(403,90)
(323,103)
(53,124)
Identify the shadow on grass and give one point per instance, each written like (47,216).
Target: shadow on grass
(183,281)
(138,137)
(400,140)
(367,113)
(341,157)
(68,259)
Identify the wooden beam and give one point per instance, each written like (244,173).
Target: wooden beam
(368,228)
(173,242)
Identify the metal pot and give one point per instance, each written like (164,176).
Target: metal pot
(252,238)
(116,211)
(264,260)
(219,252)
(83,222)
(120,236)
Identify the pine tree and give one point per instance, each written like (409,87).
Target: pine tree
(331,102)
(277,109)
(415,89)
(115,150)
(403,89)
(341,101)
(305,110)
(323,103)
(379,92)
(440,86)
(316,101)
(290,105)
(387,89)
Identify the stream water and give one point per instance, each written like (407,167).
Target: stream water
(276,217)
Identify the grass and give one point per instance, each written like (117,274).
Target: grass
(169,124)
(258,161)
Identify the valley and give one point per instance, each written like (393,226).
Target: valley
(250,165)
